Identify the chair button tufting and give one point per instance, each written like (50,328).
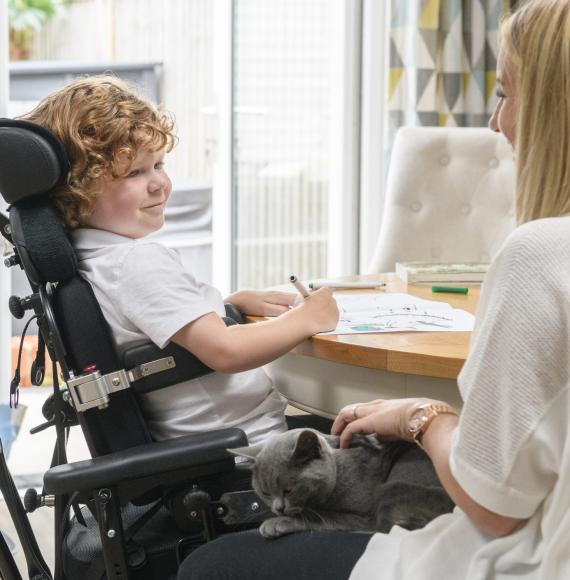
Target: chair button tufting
(436,252)
(466,209)
(493,163)
(444,160)
(415,206)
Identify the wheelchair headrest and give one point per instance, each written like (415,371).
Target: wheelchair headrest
(32,160)
(42,243)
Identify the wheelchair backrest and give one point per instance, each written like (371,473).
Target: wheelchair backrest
(32,163)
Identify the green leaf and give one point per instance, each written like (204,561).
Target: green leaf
(32,14)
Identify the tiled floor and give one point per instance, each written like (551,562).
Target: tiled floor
(42,524)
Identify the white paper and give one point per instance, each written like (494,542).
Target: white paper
(379,312)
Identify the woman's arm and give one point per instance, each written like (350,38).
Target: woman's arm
(437,443)
(231,349)
(389,420)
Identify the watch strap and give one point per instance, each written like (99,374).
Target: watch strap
(430,411)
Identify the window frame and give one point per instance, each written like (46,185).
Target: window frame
(345,140)
(5,273)
(223,196)
(375,67)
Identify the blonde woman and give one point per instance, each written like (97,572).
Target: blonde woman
(506,460)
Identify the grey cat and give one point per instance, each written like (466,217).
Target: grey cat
(312,484)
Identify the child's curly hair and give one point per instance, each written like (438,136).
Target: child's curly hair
(101,121)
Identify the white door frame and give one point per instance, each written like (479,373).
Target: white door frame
(223,202)
(344,174)
(5,273)
(375,51)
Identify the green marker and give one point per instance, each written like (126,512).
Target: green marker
(451,289)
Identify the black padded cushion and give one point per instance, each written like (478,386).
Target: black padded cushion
(83,328)
(42,243)
(32,160)
(89,341)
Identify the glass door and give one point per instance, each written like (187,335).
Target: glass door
(287,87)
(281,128)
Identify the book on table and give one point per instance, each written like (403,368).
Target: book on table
(455,272)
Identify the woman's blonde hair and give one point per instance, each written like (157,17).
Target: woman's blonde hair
(536,45)
(102,124)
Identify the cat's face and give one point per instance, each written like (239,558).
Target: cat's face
(292,471)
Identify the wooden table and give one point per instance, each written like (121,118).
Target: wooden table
(324,373)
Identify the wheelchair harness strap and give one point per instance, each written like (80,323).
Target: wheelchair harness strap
(93,389)
(151,368)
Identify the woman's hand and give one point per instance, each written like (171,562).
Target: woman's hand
(262,303)
(387,419)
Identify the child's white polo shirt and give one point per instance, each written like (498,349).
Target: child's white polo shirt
(145,294)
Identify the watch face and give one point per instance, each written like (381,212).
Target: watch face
(421,418)
(417,421)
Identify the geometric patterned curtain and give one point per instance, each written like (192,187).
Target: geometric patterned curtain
(443,55)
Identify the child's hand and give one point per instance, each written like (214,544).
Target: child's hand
(262,303)
(322,309)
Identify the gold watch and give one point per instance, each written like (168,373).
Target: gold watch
(423,416)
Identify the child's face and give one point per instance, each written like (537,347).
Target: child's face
(133,206)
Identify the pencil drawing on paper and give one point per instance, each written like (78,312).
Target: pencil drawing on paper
(361,313)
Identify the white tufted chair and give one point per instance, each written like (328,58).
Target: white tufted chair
(450,196)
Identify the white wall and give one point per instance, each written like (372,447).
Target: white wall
(5,286)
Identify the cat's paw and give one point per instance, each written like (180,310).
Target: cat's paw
(279,526)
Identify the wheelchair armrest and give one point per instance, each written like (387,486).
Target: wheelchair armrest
(198,450)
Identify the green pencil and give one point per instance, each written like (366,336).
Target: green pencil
(451,289)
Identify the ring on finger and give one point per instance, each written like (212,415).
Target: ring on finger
(353,411)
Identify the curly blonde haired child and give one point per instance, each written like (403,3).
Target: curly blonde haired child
(101,121)
(114,196)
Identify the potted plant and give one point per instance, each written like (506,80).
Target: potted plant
(24,18)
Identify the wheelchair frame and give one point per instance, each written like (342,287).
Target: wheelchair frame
(123,473)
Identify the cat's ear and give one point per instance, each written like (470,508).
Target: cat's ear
(308,447)
(250,452)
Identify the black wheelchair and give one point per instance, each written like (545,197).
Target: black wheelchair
(138,507)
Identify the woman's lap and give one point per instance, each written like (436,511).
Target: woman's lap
(326,555)
(329,555)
